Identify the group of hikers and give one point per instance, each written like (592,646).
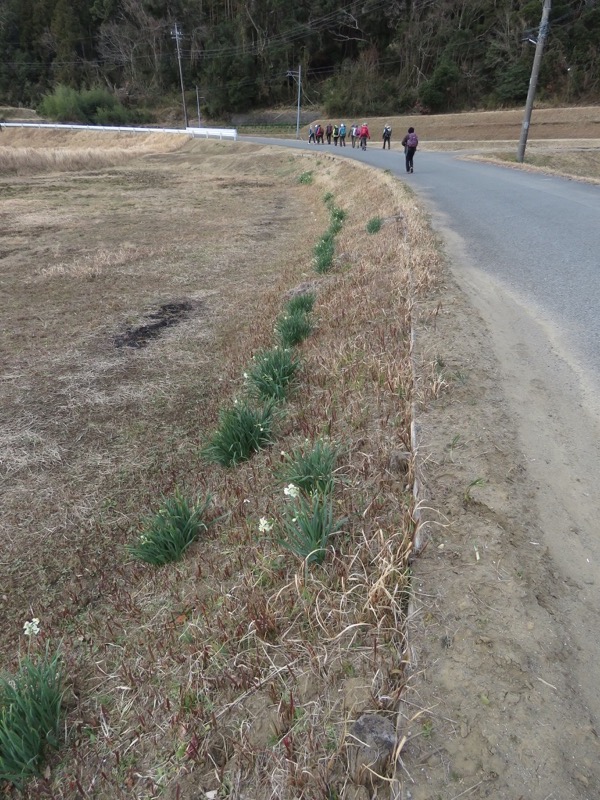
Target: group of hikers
(317,133)
(359,135)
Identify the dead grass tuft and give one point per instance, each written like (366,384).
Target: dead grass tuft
(93,265)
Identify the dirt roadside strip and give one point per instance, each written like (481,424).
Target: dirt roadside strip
(496,711)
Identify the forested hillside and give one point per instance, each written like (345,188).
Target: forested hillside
(371,56)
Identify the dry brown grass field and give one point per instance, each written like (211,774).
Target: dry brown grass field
(27,152)
(485,126)
(236,671)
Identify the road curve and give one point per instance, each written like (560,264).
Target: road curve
(525,248)
(538,235)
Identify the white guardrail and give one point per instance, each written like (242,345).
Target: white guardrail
(204,133)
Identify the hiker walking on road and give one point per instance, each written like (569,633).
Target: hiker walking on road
(387,135)
(410,144)
(364,135)
(336,134)
(311,134)
(328,132)
(319,133)
(343,134)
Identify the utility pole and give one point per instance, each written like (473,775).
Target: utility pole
(198,104)
(293,73)
(299,96)
(535,71)
(177,35)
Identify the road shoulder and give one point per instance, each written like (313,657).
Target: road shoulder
(493,708)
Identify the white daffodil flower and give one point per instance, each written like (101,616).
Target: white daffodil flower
(31,628)
(264,526)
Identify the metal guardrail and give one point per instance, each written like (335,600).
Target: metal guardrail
(206,133)
(212,133)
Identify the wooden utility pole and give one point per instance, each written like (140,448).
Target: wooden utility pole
(176,34)
(535,71)
(299,96)
(297,74)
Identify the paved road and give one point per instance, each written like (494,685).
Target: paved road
(525,248)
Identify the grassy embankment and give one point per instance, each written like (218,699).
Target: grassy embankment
(242,664)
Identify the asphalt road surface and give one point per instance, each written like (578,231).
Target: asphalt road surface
(525,248)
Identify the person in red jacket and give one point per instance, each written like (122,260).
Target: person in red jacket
(364,135)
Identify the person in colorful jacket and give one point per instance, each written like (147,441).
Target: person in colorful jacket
(343,134)
(387,135)
(336,134)
(364,135)
(410,144)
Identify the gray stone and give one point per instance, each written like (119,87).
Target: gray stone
(370,743)
(400,462)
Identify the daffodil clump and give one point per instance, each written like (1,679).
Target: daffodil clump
(303,302)
(242,431)
(308,524)
(30,712)
(311,467)
(293,328)
(167,535)
(325,247)
(271,373)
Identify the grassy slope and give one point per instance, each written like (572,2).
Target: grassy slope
(237,662)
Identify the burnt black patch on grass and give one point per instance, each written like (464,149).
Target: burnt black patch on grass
(167,315)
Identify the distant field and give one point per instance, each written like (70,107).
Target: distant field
(20,114)
(469,126)
(30,151)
